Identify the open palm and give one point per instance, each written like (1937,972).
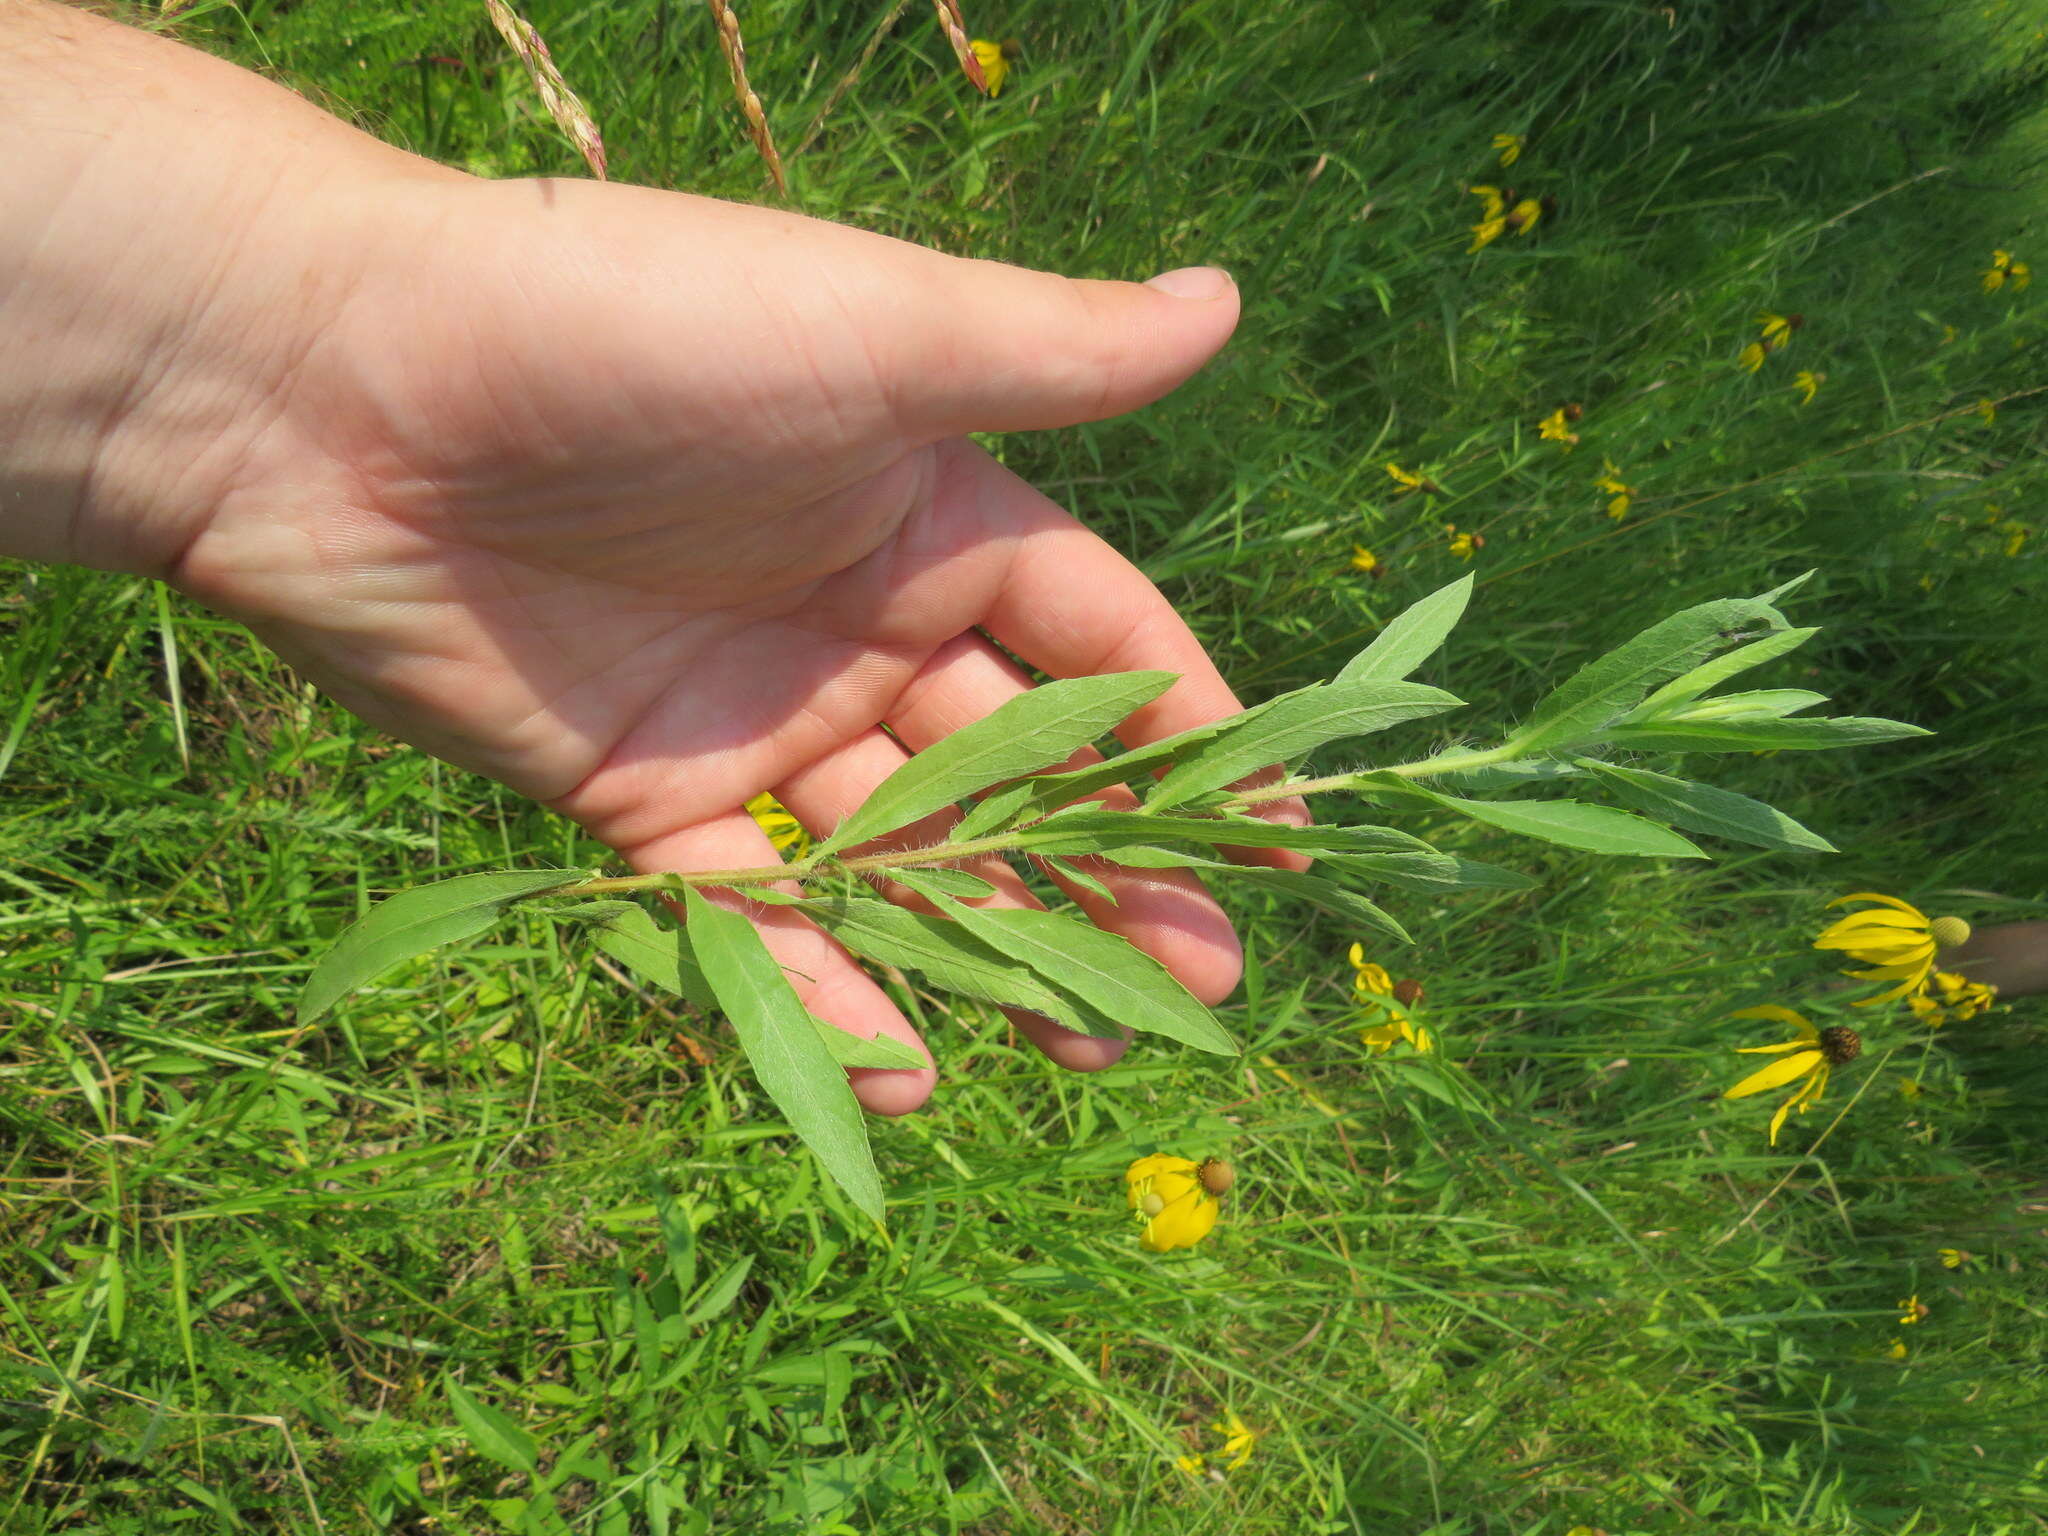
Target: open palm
(644,503)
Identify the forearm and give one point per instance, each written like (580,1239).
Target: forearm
(161,272)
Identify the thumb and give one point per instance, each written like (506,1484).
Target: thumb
(994,348)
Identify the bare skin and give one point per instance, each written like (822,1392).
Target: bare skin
(639,502)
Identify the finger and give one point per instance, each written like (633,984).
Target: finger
(827,791)
(826,979)
(978,346)
(1166,913)
(1071,606)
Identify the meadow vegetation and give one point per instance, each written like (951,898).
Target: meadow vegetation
(512,1243)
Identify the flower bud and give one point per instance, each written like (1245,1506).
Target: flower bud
(1948,932)
(1216,1175)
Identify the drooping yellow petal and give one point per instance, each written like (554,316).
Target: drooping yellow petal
(1884,901)
(1781,1015)
(1188,1216)
(1777,1074)
(995,63)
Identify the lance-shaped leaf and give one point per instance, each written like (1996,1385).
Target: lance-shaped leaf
(1711,674)
(1604,690)
(1114,977)
(1760,735)
(656,952)
(1411,637)
(413,922)
(1755,704)
(790,1061)
(1331,897)
(1085,831)
(1034,730)
(948,956)
(495,1433)
(1044,792)
(1572,823)
(1293,725)
(1703,808)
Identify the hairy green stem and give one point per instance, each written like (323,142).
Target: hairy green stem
(939,854)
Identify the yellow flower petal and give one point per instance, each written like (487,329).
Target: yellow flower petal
(1884,901)
(1780,1015)
(1777,1074)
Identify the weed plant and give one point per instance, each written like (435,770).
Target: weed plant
(509,1243)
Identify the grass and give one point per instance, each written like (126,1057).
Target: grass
(509,1245)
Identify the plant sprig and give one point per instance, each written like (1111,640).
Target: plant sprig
(1649,696)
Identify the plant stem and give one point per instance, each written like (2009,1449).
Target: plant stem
(954,853)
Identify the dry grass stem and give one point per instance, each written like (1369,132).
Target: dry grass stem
(736,62)
(569,113)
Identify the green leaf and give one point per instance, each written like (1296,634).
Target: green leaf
(413,922)
(957,882)
(1313,889)
(1411,637)
(493,1432)
(792,1064)
(1575,824)
(868,1051)
(1069,871)
(1034,730)
(1760,735)
(1710,674)
(1572,823)
(996,809)
(721,1293)
(1605,689)
(658,953)
(1293,725)
(946,955)
(1085,831)
(1114,977)
(1703,808)
(1756,704)
(1049,791)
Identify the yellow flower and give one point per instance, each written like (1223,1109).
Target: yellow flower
(1485,232)
(1622,493)
(1898,941)
(2004,269)
(1948,334)
(1554,429)
(1363,559)
(1238,1440)
(1898,1350)
(1406,480)
(1376,991)
(1951,998)
(1524,215)
(994,59)
(1778,329)
(1491,203)
(1510,147)
(1812,1054)
(1168,1194)
(1462,544)
(1194,1466)
(1807,383)
(1951,1258)
(2016,535)
(1751,357)
(1912,1310)
(1492,218)
(1909,1088)
(1988,409)
(784,830)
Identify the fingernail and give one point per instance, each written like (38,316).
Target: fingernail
(1193,283)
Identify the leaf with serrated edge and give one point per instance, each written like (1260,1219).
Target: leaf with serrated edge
(1296,724)
(1703,808)
(790,1061)
(1761,735)
(411,923)
(1411,637)
(1034,730)
(1710,674)
(1114,976)
(1608,687)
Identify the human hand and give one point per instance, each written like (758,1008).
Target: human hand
(642,503)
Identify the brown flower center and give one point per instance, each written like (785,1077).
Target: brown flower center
(1841,1045)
